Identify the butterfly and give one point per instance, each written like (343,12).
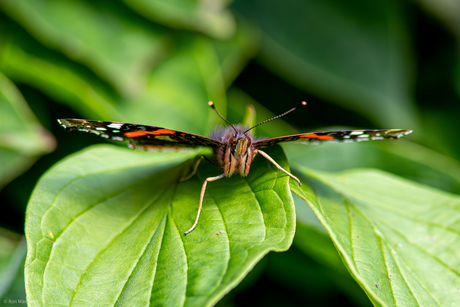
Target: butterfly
(234,147)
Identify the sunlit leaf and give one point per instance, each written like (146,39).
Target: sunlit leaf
(111,220)
(400,240)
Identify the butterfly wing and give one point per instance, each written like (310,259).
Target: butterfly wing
(139,136)
(335,136)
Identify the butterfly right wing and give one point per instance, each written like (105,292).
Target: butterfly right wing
(335,136)
(140,136)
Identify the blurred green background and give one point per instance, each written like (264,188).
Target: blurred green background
(359,64)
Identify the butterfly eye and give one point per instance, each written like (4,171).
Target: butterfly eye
(232,142)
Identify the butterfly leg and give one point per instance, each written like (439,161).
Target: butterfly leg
(266,156)
(195,167)
(203,189)
(193,172)
(210,161)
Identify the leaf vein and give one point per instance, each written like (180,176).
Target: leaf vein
(110,243)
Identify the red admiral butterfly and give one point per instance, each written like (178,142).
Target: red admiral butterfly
(234,147)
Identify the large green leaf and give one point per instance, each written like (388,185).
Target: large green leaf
(354,53)
(111,220)
(22,138)
(120,49)
(400,240)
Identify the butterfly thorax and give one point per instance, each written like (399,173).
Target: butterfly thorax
(237,151)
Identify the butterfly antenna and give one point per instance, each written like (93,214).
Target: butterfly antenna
(211,104)
(302,104)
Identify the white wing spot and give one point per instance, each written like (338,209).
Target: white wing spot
(115,125)
(356,132)
(101,129)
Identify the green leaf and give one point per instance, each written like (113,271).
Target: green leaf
(353,53)
(122,50)
(402,157)
(209,17)
(60,82)
(400,240)
(111,220)
(22,138)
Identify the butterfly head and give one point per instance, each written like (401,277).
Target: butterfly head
(237,150)
(239,143)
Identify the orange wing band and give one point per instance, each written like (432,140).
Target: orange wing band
(318,137)
(134,134)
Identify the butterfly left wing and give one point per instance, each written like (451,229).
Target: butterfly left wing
(140,136)
(338,135)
